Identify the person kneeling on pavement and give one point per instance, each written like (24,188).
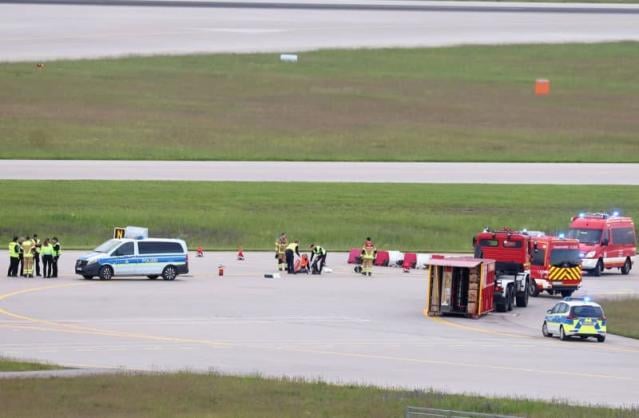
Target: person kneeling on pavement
(319,254)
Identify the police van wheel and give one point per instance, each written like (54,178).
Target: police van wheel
(562,334)
(87,277)
(626,267)
(544,330)
(601,338)
(169,273)
(106,273)
(152,276)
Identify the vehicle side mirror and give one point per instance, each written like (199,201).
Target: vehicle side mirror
(604,242)
(549,311)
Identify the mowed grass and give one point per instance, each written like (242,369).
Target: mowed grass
(11,365)
(471,103)
(623,316)
(194,396)
(338,216)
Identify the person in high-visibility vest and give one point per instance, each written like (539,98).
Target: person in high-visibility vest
(36,253)
(14,257)
(319,255)
(368,255)
(27,256)
(292,249)
(47,258)
(57,250)
(280,251)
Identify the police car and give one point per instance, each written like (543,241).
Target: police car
(575,317)
(151,257)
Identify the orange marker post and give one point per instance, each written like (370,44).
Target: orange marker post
(542,87)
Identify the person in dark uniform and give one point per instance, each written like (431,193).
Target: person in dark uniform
(14,257)
(319,254)
(36,253)
(57,250)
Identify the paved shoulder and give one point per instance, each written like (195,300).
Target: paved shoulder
(490,173)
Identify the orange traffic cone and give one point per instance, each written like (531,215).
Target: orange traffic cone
(200,251)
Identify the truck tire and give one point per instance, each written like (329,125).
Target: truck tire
(626,267)
(566,293)
(522,297)
(510,298)
(599,268)
(501,307)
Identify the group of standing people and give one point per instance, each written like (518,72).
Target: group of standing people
(286,251)
(25,254)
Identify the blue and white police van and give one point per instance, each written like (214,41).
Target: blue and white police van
(151,257)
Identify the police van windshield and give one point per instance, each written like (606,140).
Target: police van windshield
(107,246)
(560,257)
(585,236)
(587,311)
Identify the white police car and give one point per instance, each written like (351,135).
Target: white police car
(575,317)
(151,257)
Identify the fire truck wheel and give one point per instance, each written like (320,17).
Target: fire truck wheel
(562,334)
(544,330)
(626,267)
(566,293)
(501,307)
(510,297)
(599,268)
(522,297)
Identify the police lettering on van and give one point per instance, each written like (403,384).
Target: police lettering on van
(151,257)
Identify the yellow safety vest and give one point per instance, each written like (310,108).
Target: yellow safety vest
(292,246)
(369,253)
(280,247)
(47,249)
(12,250)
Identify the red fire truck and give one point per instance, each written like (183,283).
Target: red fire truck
(606,241)
(555,265)
(511,252)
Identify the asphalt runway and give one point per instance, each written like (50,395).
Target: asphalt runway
(482,173)
(71,30)
(340,327)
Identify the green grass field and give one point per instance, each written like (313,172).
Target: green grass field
(442,104)
(208,396)
(10,365)
(339,216)
(623,316)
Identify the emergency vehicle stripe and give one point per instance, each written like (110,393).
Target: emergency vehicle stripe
(564,273)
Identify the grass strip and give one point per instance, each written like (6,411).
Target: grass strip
(623,316)
(10,365)
(469,103)
(219,215)
(194,396)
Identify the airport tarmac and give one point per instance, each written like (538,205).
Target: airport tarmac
(283,171)
(339,327)
(71,30)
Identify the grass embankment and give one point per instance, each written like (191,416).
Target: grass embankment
(623,316)
(189,395)
(339,216)
(444,104)
(10,365)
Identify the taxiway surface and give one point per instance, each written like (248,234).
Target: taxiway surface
(356,172)
(339,327)
(31,32)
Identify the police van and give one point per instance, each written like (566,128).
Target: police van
(151,257)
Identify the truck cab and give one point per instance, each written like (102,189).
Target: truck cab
(511,252)
(555,265)
(606,241)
